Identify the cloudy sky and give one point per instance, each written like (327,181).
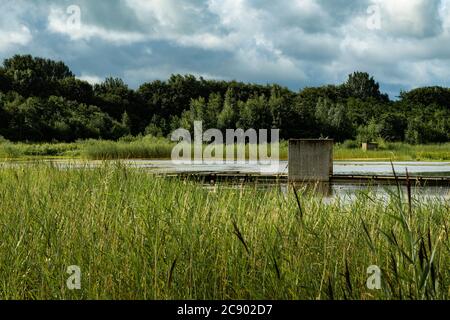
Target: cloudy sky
(296,43)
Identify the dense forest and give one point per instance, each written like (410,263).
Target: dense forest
(42,100)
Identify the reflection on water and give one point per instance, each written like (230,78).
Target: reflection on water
(351,191)
(323,189)
(347,192)
(326,190)
(419,168)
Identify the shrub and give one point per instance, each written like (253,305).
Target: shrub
(350,144)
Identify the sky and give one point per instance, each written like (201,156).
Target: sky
(403,44)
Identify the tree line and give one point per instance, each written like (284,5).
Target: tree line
(42,100)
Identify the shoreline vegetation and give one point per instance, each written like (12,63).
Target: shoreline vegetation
(41,100)
(137,237)
(149,147)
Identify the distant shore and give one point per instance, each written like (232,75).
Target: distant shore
(149,147)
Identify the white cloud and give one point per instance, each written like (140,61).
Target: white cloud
(301,39)
(415,18)
(57,22)
(163,72)
(236,14)
(92,79)
(15,31)
(10,39)
(207,41)
(166,14)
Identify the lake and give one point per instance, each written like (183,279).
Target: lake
(415,168)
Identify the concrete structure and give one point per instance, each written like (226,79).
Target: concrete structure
(310,160)
(369,146)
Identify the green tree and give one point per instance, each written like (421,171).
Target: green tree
(362,86)
(227,118)
(76,90)
(213,109)
(187,120)
(5,82)
(113,97)
(126,123)
(304,107)
(35,76)
(332,119)
(427,96)
(369,133)
(255,114)
(198,109)
(4,119)
(393,126)
(27,119)
(281,110)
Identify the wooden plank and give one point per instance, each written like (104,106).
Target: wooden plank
(256,177)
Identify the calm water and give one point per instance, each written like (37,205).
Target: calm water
(340,167)
(329,191)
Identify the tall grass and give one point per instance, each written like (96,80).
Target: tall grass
(149,147)
(9,150)
(396,151)
(141,148)
(137,236)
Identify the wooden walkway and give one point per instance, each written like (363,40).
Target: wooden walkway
(239,177)
(413,180)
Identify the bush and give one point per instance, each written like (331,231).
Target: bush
(382,144)
(350,144)
(154,130)
(369,133)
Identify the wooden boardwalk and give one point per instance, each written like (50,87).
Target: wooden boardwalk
(239,177)
(413,180)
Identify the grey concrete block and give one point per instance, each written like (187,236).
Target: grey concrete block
(310,160)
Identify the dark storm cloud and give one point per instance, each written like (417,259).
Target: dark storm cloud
(296,43)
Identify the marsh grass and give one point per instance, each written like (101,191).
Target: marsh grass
(137,236)
(155,148)
(9,150)
(149,147)
(142,148)
(395,151)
